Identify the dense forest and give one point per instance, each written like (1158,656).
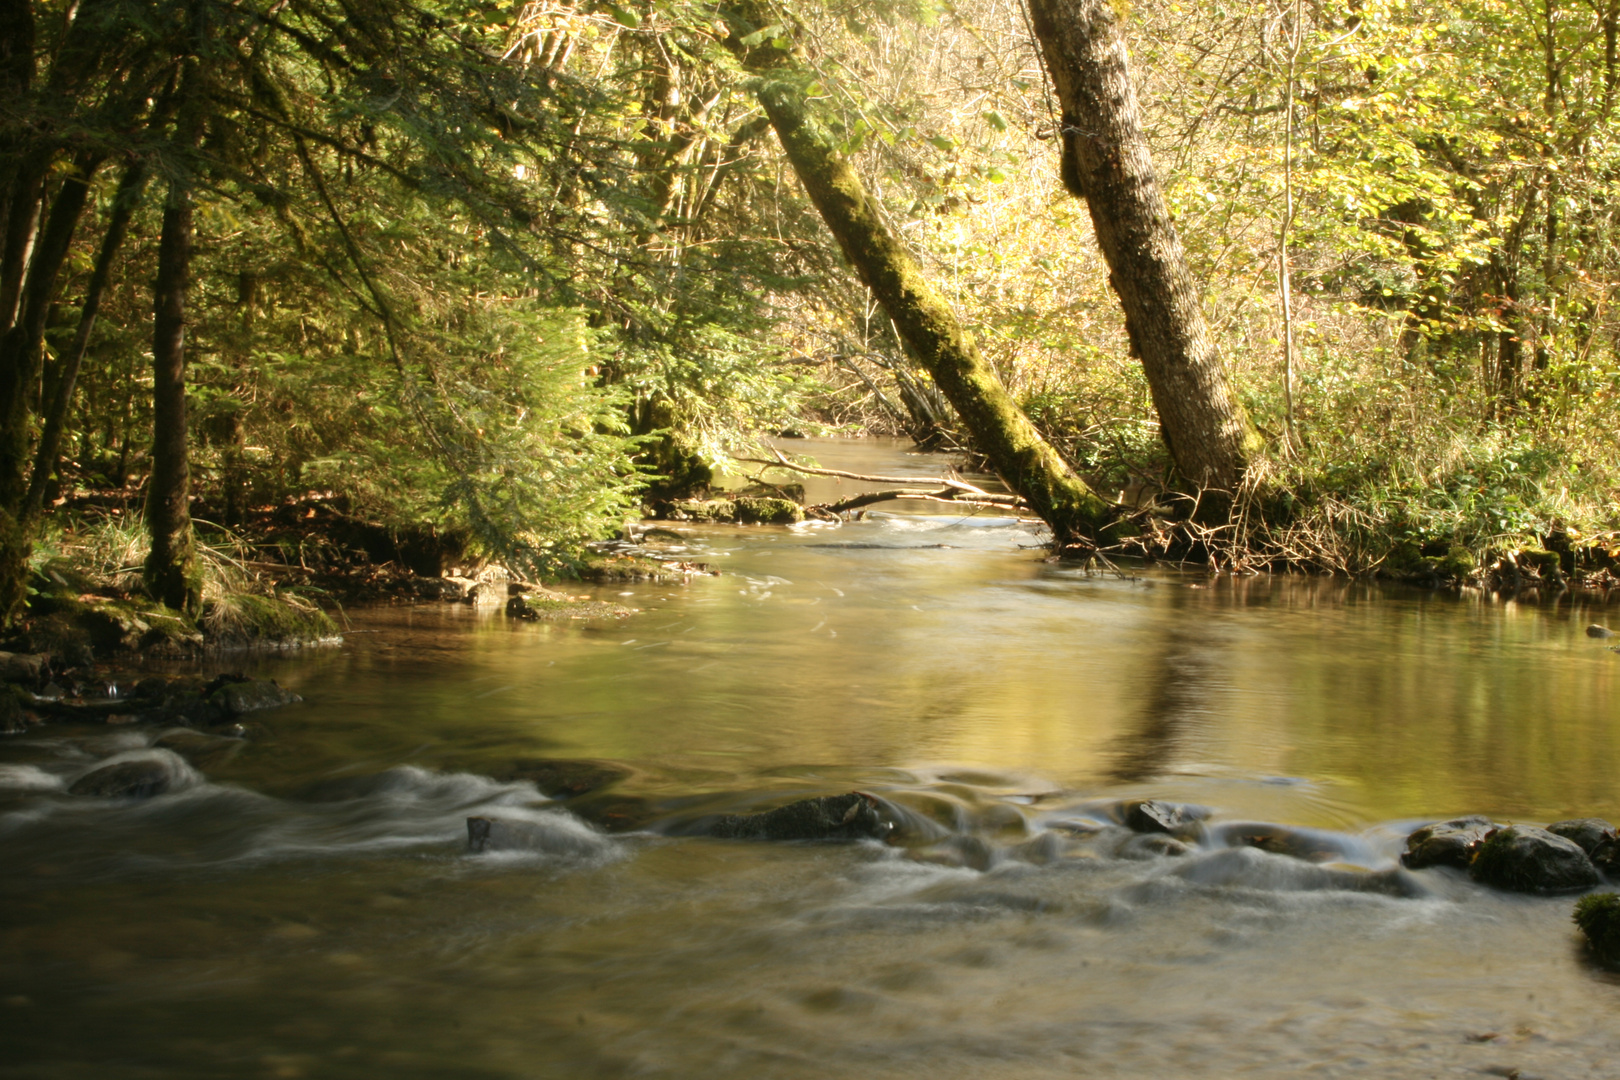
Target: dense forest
(1319,285)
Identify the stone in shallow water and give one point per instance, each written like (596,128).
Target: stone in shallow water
(1312,845)
(125,779)
(855,816)
(1446,843)
(1153,816)
(1523,858)
(1596,837)
(252,696)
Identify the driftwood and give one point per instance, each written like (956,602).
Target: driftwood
(955,491)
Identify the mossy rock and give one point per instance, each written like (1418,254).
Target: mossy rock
(616,568)
(763,511)
(109,626)
(1455,565)
(1598,916)
(704,510)
(1522,858)
(246,620)
(1446,843)
(1404,558)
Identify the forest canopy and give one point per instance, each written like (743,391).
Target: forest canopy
(510,270)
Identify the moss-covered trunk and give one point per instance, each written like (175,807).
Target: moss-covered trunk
(1106,162)
(924,320)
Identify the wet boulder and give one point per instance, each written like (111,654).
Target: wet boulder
(855,816)
(201,751)
(1596,837)
(1153,816)
(139,779)
(1598,916)
(615,812)
(1523,858)
(1446,843)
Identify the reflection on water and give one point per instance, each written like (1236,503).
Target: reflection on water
(306,905)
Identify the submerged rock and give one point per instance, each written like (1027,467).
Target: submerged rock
(202,751)
(1251,868)
(614,812)
(1312,845)
(1523,858)
(1151,846)
(961,851)
(252,695)
(565,778)
(855,816)
(1446,843)
(550,834)
(126,779)
(1598,916)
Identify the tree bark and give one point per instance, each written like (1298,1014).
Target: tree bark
(50,440)
(1106,161)
(925,322)
(20,360)
(171,566)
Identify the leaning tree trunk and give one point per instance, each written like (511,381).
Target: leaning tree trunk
(925,322)
(171,566)
(56,410)
(21,356)
(1107,163)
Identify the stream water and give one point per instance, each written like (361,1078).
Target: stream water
(305,904)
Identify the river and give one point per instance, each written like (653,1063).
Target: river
(306,906)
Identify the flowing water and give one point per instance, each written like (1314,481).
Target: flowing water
(304,904)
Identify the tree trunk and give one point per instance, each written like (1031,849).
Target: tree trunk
(20,360)
(50,440)
(1107,163)
(921,315)
(171,566)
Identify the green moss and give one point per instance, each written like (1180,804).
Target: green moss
(1455,565)
(239,620)
(1598,916)
(766,511)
